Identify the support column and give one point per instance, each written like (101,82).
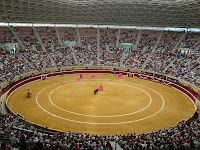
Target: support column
(138,39)
(118,38)
(78,37)
(75,58)
(157,43)
(98,39)
(98,46)
(122,59)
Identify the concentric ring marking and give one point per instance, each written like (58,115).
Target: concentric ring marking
(100,116)
(104,122)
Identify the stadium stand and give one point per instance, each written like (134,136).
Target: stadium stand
(23,135)
(108,38)
(131,35)
(18,134)
(159,61)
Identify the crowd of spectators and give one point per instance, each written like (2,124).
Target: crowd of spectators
(21,135)
(168,41)
(33,56)
(135,59)
(191,41)
(184,136)
(181,66)
(48,37)
(158,61)
(33,51)
(186,56)
(39,59)
(110,57)
(88,37)
(12,65)
(86,57)
(108,38)
(63,57)
(185,65)
(28,37)
(128,36)
(193,77)
(148,40)
(6,36)
(5,72)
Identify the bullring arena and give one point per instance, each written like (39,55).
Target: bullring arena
(99,74)
(125,105)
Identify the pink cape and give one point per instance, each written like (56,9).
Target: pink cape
(120,75)
(78,80)
(93,76)
(100,88)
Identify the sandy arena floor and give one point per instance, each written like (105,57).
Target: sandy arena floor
(126,105)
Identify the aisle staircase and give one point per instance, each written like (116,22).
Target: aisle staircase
(32,66)
(170,64)
(16,36)
(98,46)
(138,39)
(154,48)
(58,36)
(78,37)
(197,60)
(196,49)
(179,41)
(118,38)
(191,70)
(39,39)
(22,45)
(43,47)
(157,42)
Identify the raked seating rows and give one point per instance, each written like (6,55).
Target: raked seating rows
(177,64)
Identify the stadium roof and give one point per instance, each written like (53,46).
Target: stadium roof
(159,13)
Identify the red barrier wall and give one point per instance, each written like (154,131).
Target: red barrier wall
(156,78)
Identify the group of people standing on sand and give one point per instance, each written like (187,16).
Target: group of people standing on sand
(79,78)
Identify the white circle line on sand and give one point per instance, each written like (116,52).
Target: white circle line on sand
(103,123)
(101,116)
